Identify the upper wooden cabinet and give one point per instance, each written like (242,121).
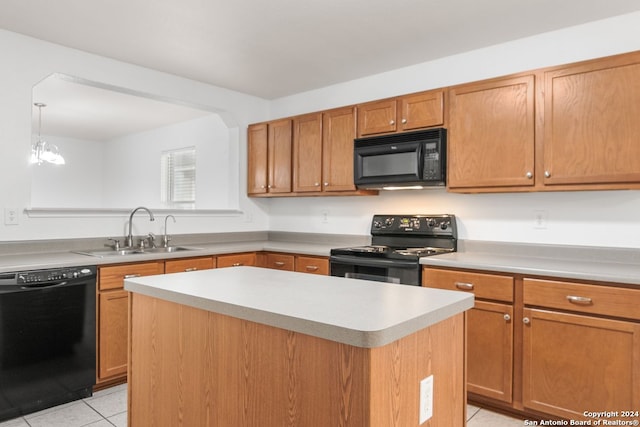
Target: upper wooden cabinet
(323,151)
(571,127)
(269,157)
(491,136)
(591,122)
(409,112)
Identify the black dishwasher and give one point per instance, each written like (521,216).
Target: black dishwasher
(47,338)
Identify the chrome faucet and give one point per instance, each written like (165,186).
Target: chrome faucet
(166,235)
(129,239)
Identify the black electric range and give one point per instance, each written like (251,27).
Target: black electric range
(397,244)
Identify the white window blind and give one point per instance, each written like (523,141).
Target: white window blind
(178,178)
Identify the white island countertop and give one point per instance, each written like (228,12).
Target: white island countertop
(356,312)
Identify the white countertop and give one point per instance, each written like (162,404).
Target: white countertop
(355,312)
(589,269)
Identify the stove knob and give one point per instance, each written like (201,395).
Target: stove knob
(377,224)
(444,225)
(388,221)
(431,222)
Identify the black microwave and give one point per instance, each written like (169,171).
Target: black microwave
(403,160)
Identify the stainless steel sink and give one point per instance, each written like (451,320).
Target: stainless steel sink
(133,251)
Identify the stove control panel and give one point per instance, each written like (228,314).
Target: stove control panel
(54,275)
(429,225)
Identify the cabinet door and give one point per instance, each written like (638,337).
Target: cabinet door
(279,148)
(338,133)
(490,350)
(236,260)
(572,363)
(112,334)
(491,134)
(591,123)
(307,153)
(189,264)
(257,138)
(377,117)
(313,265)
(421,110)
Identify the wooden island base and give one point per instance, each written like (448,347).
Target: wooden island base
(192,367)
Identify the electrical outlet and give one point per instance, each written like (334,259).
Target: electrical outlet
(540,218)
(426,399)
(11,216)
(325,216)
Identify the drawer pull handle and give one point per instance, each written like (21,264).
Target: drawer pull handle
(131,276)
(279,263)
(464,286)
(311,267)
(579,300)
(191,269)
(507,317)
(237,264)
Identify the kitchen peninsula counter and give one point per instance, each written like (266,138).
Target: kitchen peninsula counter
(258,347)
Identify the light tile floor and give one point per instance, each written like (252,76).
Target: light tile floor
(108,408)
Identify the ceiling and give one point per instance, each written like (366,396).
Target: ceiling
(277,48)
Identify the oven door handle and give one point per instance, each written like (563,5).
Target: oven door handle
(354,260)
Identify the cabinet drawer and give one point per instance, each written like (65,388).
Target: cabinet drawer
(279,261)
(487,286)
(190,264)
(313,265)
(235,260)
(584,298)
(112,277)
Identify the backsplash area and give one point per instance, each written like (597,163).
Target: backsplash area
(589,218)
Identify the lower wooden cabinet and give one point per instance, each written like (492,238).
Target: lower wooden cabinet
(279,261)
(490,350)
(236,260)
(112,334)
(312,265)
(489,328)
(112,323)
(573,363)
(557,349)
(189,264)
(294,262)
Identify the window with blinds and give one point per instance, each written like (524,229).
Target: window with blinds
(178,178)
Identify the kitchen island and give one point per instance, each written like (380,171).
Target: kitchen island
(249,347)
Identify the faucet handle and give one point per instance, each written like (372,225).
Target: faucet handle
(115,245)
(152,240)
(166,239)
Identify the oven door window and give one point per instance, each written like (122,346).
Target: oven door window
(404,275)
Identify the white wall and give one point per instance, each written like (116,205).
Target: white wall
(136,178)
(78,183)
(608,218)
(26,61)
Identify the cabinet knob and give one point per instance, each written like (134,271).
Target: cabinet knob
(392,122)
(269,186)
(263,186)
(507,317)
(547,174)
(317,184)
(404,121)
(526,320)
(326,184)
(529,175)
